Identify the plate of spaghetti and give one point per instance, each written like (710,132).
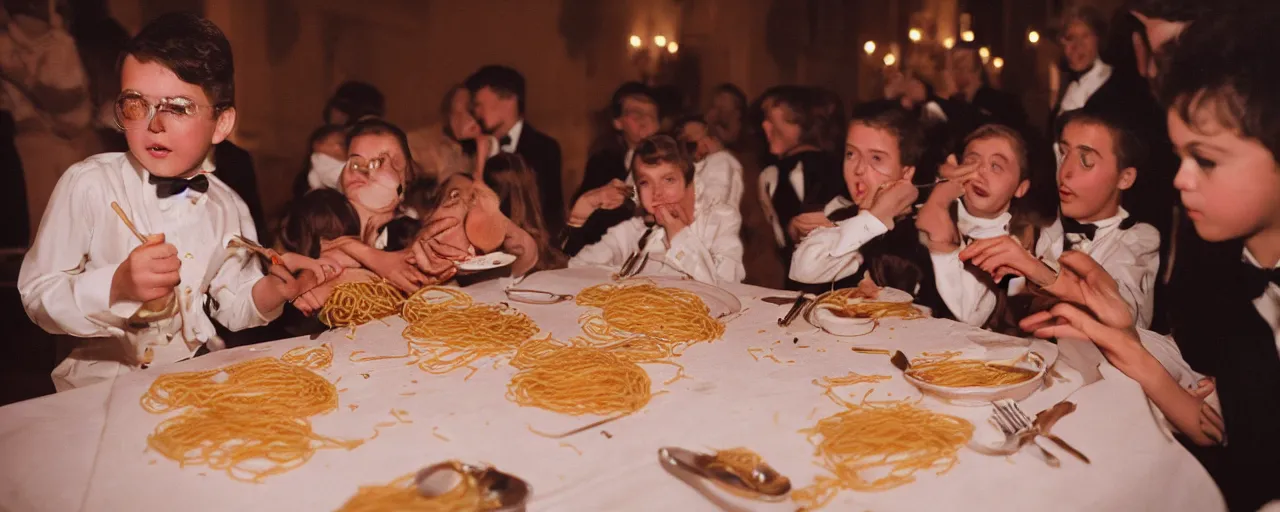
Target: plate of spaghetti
(983,379)
(857,311)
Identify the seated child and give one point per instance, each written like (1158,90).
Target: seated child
(981,200)
(87,275)
(327,159)
(518,199)
(870,233)
(682,238)
(1100,160)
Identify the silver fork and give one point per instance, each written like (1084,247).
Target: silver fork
(634,263)
(1016,426)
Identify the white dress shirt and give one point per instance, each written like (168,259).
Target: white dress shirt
(1079,91)
(831,254)
(1267,304)
(1131,256)
(769,185)
(66,277)
(514,134)
(708,250)
(718,179)
(967,295)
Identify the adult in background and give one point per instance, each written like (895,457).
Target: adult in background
(353,101)
(498,102)
(47,93)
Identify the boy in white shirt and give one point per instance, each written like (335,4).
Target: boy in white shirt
(87,276)
(1100,160)
(683,237)
(978,202)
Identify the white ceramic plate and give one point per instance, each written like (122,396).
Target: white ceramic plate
(718,300)
(487,261)
(1043,355)
(824,319)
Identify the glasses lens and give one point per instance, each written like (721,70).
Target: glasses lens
(180,107)
(132,109)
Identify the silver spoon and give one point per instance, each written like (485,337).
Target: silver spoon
(765,483)
(510,491)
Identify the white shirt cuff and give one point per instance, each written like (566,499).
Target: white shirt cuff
(93,295)
(857,231)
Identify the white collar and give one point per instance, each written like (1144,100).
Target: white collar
(626,160)
(1111,221)
(1248,257)
(978,227)
(1097,74)
(514,134)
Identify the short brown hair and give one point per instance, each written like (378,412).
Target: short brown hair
(194,49)
(662,149)
(999,131)
(901,125)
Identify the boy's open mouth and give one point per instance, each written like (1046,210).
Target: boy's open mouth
(158,151)
(1065,194)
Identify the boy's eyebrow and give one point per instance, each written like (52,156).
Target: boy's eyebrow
(1201,146)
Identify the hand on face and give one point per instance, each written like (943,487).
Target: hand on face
(673,218)
(893,199)
(957,177)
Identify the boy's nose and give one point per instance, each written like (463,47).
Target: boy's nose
(157,124)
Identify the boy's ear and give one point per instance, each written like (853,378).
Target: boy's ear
(226,121)
(1127,176)
(1022,188)
(908,172)
(617,124)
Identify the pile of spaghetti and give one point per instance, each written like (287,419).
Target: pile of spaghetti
(402,495)
(360,302)
(958,373)
(577,379)
(894,439)
(249,419)
(670,315)
(311,358)
(448,330)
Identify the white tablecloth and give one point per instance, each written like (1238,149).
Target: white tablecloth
(86,449)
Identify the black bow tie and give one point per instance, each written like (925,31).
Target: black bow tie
(1073,226)
(504,140)
(1257,279)
(166,187)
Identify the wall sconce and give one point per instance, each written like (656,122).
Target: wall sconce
(949,43)
(914,35)
(635,41)
(890,59)
(672,47)
(869,47)
(660,41)
(997,62)
(967,36)
(1033,37)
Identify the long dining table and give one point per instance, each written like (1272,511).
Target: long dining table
(86,449)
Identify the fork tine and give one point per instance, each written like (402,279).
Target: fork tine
(1002,423)
(1002,409)
(1024,421)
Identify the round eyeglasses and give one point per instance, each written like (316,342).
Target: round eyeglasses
(134,111)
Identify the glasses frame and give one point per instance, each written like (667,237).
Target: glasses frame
(162,105)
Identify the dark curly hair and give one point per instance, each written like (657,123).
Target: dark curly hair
(504,80)
(1222,69)
(194,49)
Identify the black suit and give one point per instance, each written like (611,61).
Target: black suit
(234,166)
(542,154)
(603,167)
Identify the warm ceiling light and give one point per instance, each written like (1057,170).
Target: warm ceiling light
(914,35)
(967,36)
(1033,37)
(890,59)
(997,62)
(672,47)
(661,41)
(949,43)
(635,41)
(869,47)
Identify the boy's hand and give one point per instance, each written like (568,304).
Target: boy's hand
(957,176)
(290,286)
(396,269)
(805,223)
(934,220)
(1110,325)
(148,273)
(893,199)
(322,268)
(611,195)
(672,218)
(1003,255)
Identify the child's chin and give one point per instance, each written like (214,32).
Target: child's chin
(1213,232)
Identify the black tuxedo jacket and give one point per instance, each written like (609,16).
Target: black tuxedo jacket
(542,154)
